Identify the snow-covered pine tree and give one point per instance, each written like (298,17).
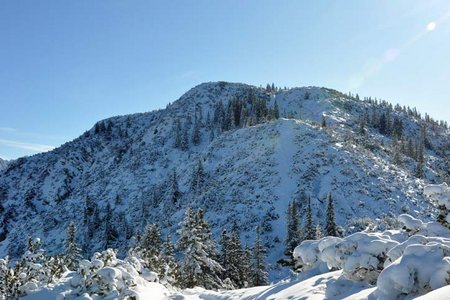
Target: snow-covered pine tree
(151,248)
(54,267)
(318,233)
(236,256)
(170,272)
(259,272)
(330,227)
(199,266)
(9,280)
(73,252)
(232,258)
(310,233)
(246,268)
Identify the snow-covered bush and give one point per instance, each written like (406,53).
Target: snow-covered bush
(420,269)
(416,227)
(360,256)
(32,271)
(308,254)
(105,275)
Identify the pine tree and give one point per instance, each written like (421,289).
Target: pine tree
(260,275)
(177,134)
(175,193)
(198,178)
(293,236)
(118,200)
(196,131)
(73,252)
(170,272)
(318,233)
(200,266)
(309,225)
(330,227)
(185,137)
(419,172)
(276,110)
(224,257)
(246,268)
(10,280)
(53,268)
(324,122)
(362,129)
(232,259)
(151,248)
(397,159)
(111,234)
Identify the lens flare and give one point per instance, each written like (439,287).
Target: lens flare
(431,26)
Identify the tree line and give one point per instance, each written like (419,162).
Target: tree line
(194,260)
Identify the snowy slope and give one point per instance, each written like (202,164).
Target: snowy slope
(251,172)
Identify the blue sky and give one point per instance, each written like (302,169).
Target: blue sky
(66,64)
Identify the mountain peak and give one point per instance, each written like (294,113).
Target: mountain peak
(254,163)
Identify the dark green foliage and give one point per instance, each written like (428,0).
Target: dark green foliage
(233,260)
(330,227)
(73,252)
(151,248)
(175,193)
(324,122)
(196,137)
(310,233)
(259,272)
(198,178)
(293,237)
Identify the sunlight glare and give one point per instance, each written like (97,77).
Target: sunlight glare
(431,26)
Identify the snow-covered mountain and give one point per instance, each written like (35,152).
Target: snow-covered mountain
(120,174)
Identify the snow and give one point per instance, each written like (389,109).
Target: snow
(360,256)
(416,226)
(422,268)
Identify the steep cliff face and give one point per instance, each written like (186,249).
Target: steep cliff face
(237,151)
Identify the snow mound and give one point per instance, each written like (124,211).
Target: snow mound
(422,268)
(417,227)
(360,256)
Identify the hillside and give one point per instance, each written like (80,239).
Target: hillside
(258,149)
